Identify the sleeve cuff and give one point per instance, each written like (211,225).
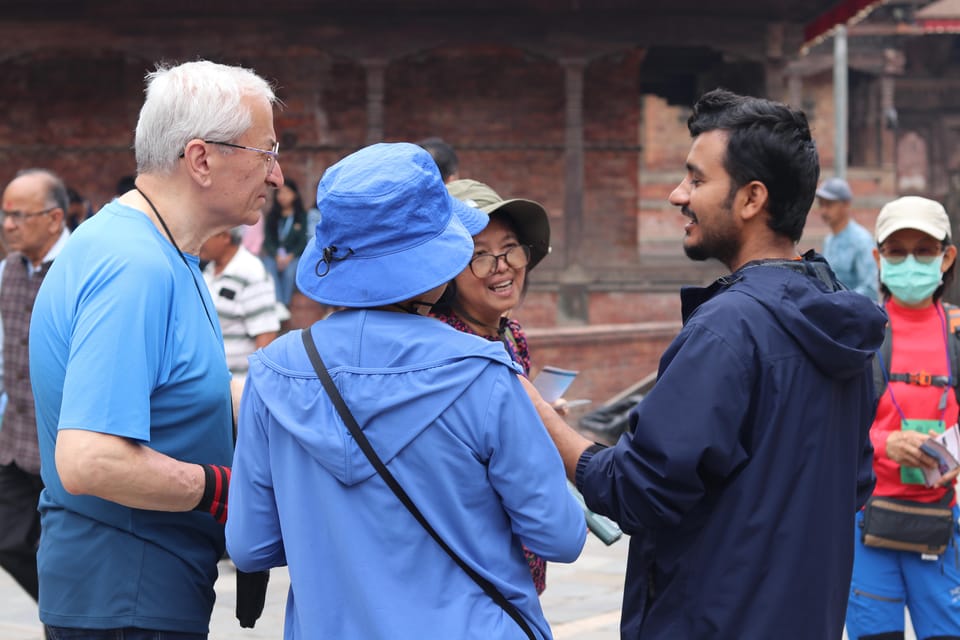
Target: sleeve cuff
(583,461)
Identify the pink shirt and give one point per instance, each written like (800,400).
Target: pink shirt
(253,237)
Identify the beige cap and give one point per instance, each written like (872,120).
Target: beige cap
(913,212)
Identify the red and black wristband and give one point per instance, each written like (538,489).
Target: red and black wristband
(215,489)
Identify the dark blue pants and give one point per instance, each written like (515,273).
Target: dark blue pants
(20,533)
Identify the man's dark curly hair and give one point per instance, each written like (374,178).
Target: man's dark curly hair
(768,142)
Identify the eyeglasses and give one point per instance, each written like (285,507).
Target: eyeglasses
(20,216)
(272,155)
(485,264)
(923,254)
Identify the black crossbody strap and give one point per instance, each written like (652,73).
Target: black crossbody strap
(374,459)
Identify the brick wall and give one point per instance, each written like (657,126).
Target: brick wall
(503,107)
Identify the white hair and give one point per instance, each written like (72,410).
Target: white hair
(199,99)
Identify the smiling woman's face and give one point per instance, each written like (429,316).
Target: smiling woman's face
(486,299)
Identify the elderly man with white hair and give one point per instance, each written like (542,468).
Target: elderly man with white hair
(131,385)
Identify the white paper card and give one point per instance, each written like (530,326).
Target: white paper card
(553,382)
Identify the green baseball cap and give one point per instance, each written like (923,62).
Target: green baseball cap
(529,218)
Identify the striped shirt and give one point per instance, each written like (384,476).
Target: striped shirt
(246,303)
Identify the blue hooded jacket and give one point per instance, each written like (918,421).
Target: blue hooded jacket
(445,412)
(748,462)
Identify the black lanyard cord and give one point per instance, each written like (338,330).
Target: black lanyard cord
(182,257)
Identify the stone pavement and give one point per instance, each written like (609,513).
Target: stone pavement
(582,601)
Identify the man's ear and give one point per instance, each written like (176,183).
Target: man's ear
(57,220)
(197,157)
(754,197)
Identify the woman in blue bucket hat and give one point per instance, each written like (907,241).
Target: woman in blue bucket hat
(443,410)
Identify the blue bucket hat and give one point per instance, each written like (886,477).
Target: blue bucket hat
(388,231)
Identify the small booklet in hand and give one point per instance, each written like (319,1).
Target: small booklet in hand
(945,449)
(553,382)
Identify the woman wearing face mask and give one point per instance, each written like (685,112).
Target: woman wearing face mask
(480,299)
(916,260)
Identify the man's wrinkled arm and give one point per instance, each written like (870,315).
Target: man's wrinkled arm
(126,472)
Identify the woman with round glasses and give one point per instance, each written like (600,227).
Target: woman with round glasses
(914,371)
(480,299)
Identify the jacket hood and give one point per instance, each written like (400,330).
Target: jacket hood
(397,373)
(837,328)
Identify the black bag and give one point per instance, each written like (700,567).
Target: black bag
(904,525)
(251,595)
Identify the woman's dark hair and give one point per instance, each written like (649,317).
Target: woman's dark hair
(768,142)
(272,223)
(297,200)
(443,154)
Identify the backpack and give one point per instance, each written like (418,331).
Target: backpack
(882,360)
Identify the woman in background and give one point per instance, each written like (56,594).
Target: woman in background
(284,238)
(916,260)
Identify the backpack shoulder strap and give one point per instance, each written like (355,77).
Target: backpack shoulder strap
(953,342)
(953,317)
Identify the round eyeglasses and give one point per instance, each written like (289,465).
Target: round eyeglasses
(485,264)
(923,254)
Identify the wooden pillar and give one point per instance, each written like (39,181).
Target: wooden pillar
(573,159)
(573,302)
(795,90)
(375,71)
(775,63)
(937,149)
(894,62)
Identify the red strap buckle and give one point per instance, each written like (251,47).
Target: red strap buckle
(923,379)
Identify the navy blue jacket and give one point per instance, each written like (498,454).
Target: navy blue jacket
(748,461)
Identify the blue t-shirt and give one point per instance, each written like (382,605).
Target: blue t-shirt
(850,254)
(120,343)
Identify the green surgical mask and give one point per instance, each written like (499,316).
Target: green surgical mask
(911,281)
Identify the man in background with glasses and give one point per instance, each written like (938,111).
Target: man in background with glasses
(33,209)
(136,466)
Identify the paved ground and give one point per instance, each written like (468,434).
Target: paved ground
(582,601)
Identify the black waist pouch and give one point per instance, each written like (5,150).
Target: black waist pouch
(904,525)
